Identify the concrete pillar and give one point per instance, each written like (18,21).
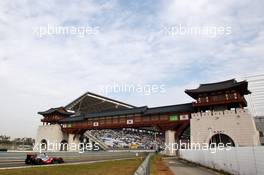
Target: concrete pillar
(74,142)
(73,138)
(170,142)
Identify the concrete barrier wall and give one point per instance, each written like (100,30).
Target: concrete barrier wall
(238,160)
(143,168)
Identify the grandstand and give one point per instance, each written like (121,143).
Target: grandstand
(129,138)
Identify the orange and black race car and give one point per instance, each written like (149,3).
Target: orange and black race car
(42,159)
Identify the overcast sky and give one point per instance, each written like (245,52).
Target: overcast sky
(131,45)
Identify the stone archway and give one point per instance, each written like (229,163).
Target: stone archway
(221,139)
(44,144)
(63,145)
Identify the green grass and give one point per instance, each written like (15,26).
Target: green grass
(153,167)
(117,167)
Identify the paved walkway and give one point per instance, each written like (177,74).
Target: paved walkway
(180,167)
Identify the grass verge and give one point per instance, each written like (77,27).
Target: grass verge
(158,167)
(116,167)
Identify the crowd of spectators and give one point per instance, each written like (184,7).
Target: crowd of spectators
(129,138)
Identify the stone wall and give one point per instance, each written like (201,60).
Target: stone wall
(50,133)
(237,124)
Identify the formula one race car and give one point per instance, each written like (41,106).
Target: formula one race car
(42,159)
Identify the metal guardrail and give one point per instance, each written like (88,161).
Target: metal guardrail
(144,167)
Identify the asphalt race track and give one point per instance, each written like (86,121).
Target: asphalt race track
(17,159)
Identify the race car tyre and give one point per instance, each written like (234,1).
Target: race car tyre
(39,162)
